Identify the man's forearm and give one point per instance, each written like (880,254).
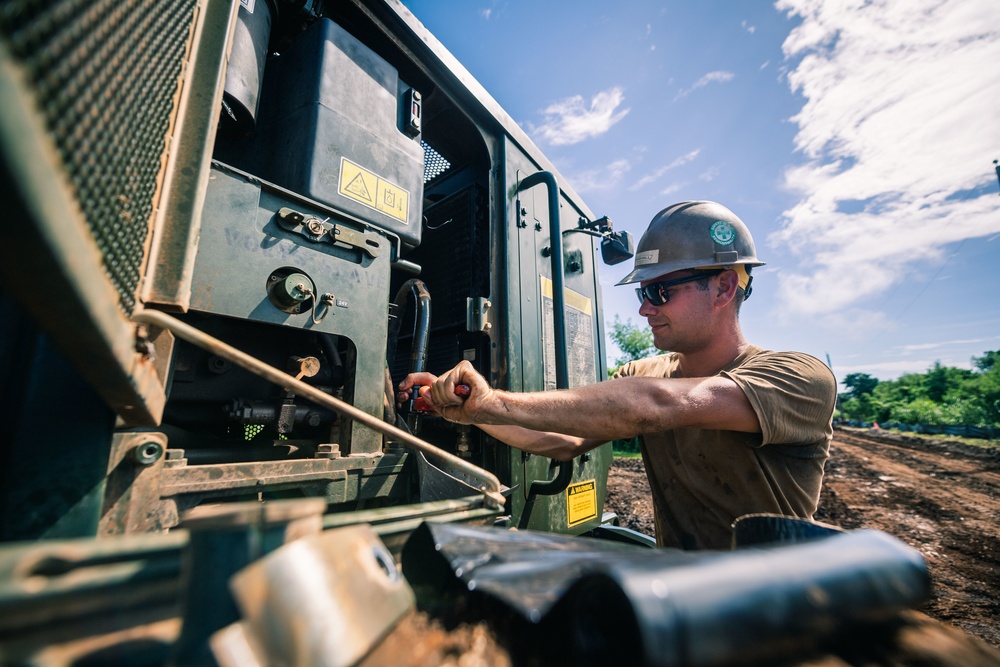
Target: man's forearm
(590,412)
(553,445)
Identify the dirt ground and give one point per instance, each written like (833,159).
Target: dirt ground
(940,497)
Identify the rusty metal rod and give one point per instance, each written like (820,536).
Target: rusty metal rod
(490,485)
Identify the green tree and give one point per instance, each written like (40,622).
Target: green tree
(859,384)
(921,411)
(860,408)
(989,361)
(901,391)
(943,381)
(981,392)
(633,342)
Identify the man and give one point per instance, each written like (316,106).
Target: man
(726,428)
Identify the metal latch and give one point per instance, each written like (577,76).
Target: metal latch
(319,230)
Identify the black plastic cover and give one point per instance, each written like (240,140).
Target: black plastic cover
(669,607)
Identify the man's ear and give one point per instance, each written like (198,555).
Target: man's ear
(729,281)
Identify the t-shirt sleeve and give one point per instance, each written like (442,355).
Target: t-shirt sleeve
(623,371)
(657,366)
(792,393)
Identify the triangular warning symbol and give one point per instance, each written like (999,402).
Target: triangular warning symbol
(357,187)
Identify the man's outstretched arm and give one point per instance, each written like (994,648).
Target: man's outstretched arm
(553,445)
(597,413)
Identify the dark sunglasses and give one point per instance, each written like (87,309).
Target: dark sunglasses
(658,293)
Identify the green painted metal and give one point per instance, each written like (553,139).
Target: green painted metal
(530,260)
(242,246)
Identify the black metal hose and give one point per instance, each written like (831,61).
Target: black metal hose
(421,332)
(421,321)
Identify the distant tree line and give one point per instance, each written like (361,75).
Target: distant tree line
(943,395)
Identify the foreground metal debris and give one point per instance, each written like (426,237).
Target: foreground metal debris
(323,601)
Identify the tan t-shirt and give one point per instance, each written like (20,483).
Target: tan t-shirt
(702,480)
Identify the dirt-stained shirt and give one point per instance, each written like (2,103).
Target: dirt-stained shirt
(702,480)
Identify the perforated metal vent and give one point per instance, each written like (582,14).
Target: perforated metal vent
(434,163)
(105,75)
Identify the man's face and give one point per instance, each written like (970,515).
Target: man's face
(683,324)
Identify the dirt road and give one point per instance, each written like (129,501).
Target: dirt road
(941,498)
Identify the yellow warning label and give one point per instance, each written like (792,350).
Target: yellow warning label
(581,502)
(363,186)
(573,299)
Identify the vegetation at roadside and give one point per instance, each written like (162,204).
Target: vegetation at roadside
(622,454)
(943,395)
(634,343)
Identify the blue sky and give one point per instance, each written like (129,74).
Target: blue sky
(856,139)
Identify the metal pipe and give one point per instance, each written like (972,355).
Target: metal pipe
(558,484)
(556,259)
(490,485)
(564,475)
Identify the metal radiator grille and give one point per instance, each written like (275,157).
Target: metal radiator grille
(105,75)
(435,164)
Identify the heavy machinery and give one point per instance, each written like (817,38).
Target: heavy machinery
(318,185)
(231,228)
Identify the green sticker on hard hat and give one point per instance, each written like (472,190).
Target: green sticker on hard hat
(722,232)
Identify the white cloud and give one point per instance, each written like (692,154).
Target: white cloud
(672,188)
(606,178)
(748,27)
(906,349)
(486,13)
(655,175)
(709,174)
(719,76)
(571,120)
(852,324)
(898,130)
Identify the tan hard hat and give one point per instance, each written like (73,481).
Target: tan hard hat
(692,235)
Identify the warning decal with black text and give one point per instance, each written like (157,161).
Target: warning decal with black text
(581,502)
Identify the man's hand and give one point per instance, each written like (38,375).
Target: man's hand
(420,382)
(442,395)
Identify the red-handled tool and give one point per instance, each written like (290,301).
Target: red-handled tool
(420,403)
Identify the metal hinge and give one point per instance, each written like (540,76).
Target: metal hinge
(477,314)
